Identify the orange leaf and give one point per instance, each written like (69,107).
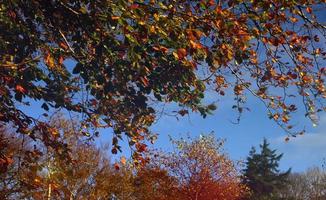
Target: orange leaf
(218,9)
(293,19)
(164,49)
(276,116)
(123,160)
(60,61)
(307,79)
(195,45)
(285,118)
(115,17)
(309,10)
(156,48)
(181,53)
(20,89)
(144,80)
(9,160)
(211,2)
(220,80)
(48,59)
(238,89)
(63,45)
(54,131)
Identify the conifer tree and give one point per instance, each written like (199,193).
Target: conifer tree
(262,175)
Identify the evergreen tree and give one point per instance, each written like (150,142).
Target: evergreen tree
(262,175)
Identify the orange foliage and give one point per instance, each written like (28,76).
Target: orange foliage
(203,171)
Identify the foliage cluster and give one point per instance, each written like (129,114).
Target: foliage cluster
(112,62)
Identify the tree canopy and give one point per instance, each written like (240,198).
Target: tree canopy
(113,61)
(203,170)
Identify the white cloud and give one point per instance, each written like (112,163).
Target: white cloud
(308,140)
(303,151)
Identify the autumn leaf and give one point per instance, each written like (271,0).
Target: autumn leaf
(60,60)
(115,17)
(238,89)
(285,118)
(63,45)
(183,112)
(181,53)
(54,131)
(49,60)
(123,160)
(317,51)
(144,80)
(309,10)
(195,45)
(218,9)
(293,19)
(116,166)
(220,80)
(211,2)
(134,6)
(276,116)
(21,89)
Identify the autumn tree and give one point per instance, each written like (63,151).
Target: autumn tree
(155,184)
(262,174)
(9,155)
(112,62)
(202,170)
(310,184)
(74,178)
(36,171)
(5,152)
(295,189)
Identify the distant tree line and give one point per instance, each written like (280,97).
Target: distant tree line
(197,169)
(309,185)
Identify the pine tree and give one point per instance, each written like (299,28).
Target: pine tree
(262,175)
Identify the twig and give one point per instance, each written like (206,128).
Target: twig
(66,41)
(64,5)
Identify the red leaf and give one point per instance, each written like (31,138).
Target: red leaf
(134,6)
(116,166)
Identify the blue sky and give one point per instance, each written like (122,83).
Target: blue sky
(299,153)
